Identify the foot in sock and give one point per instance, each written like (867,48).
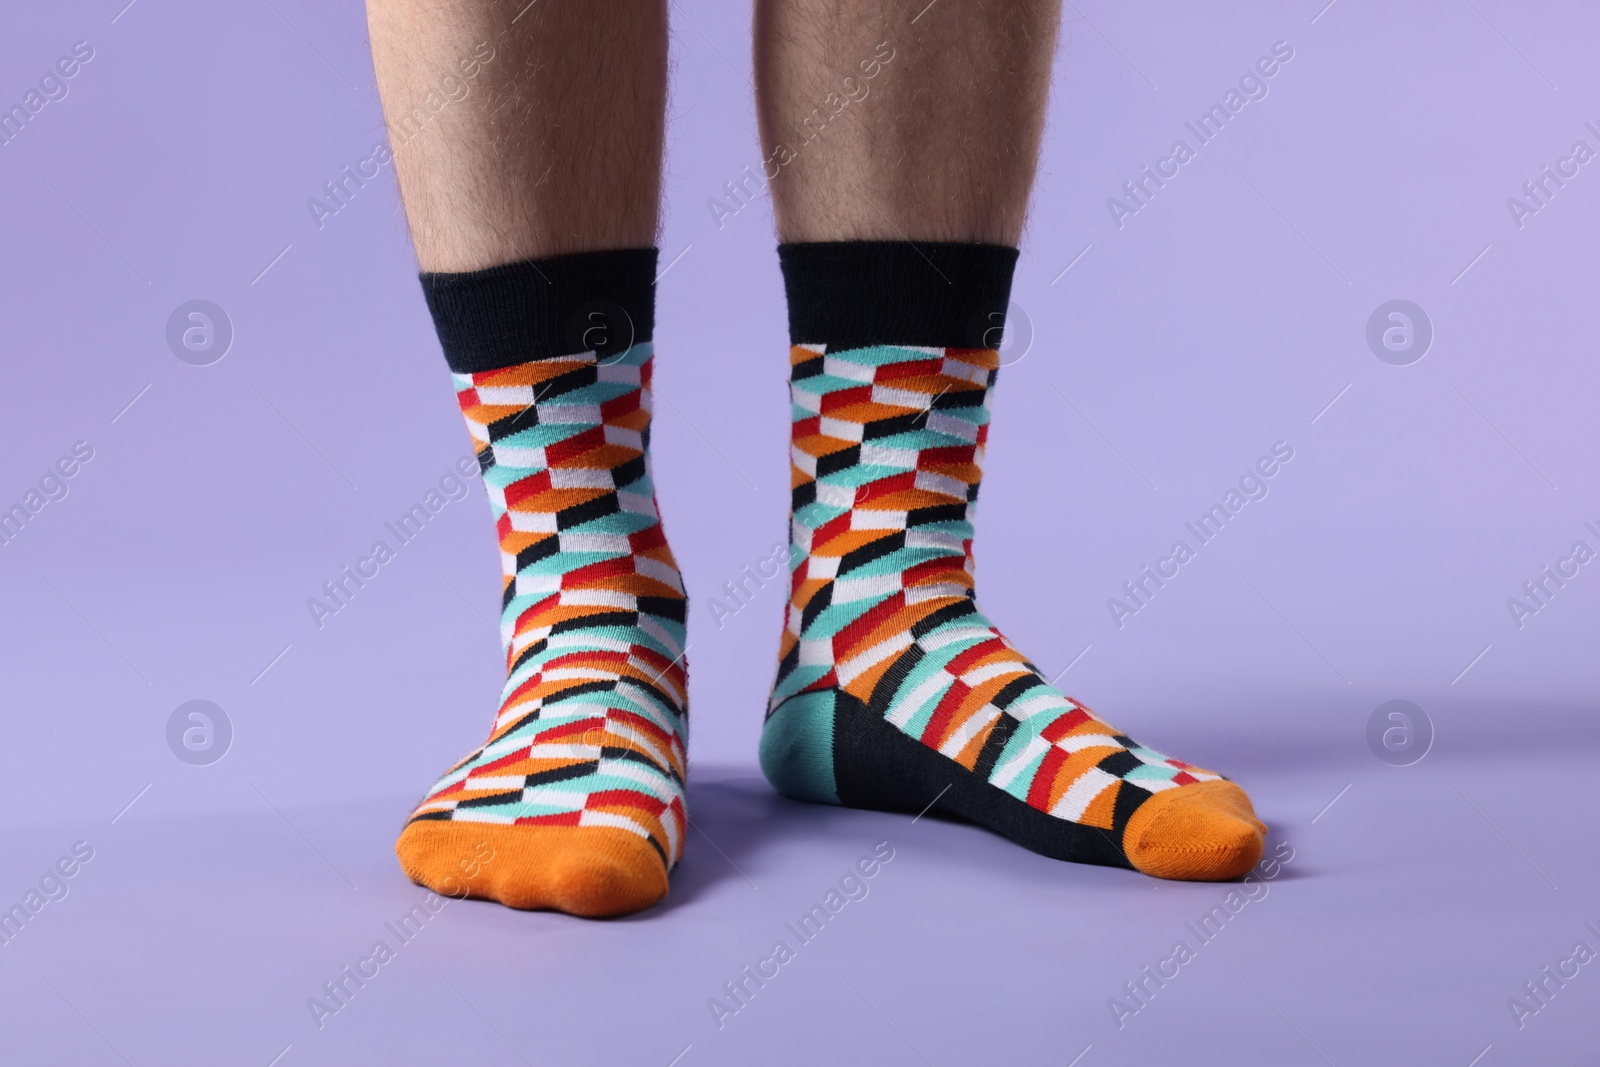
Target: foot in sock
(576,800)
(894,691)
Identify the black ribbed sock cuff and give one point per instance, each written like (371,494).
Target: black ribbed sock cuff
(538,308)
(936,294)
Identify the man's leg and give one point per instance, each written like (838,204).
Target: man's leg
(920,131)
(529,153)
(553,145)
(904,144)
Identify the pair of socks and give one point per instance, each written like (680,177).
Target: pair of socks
(893,690)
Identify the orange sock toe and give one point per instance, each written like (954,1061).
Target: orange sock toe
(592,871)
(1205,832)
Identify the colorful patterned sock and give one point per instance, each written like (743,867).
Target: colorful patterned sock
(893,690)
(576,800)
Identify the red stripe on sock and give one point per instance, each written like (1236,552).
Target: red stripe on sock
(1044,779)
(528,685)
(827,681)
(954,456)
(932,568)
(645,540)
(1064,725)
(651,657)
(834,527)
(962,660)
(568,729)
(565,818)
(897,483)
(914,368)
(846,639)
(523,488)
(548,603)
(846,398)
(618,406)
(584,656)
(504,761)
(797,577)
(593,572)
(626,798)
(944,712)
(574,446)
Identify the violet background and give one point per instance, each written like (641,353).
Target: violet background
(1220,319)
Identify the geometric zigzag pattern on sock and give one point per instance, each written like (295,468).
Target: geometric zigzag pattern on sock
(592,725)
(887,451)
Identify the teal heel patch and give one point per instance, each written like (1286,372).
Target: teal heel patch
(797,748)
